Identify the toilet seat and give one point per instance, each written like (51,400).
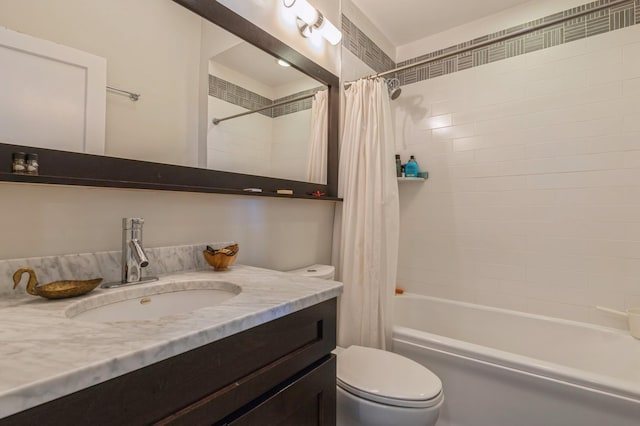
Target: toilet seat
(387,378)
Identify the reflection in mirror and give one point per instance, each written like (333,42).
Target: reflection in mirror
(176,60)
(276,141)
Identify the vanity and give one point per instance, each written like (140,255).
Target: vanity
(261,357)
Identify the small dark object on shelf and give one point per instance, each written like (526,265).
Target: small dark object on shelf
(19,164)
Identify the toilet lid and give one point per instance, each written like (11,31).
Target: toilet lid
(325,272)
(387,378)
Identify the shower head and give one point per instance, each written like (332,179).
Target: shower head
(393,85)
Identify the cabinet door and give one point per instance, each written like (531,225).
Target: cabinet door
(310,400)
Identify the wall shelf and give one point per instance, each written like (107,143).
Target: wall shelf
(411,179)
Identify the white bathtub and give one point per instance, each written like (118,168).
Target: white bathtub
(506,368)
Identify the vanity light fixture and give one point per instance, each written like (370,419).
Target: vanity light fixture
(283,63)
(311,20)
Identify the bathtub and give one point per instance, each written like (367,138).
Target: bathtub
(506,368)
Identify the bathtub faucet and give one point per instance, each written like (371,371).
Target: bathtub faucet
(133,255)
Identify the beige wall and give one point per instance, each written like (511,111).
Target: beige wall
(157,57)
(38,220)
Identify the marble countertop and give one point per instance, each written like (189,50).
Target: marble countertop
(45,354)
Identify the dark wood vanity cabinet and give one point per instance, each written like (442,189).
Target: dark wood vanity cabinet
(278,373)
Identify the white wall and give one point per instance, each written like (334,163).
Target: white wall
(241,145)
(533,200)
(290,148)
(256,144)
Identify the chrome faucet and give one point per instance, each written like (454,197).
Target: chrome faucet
(133,255)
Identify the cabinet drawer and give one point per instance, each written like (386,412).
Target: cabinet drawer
(308,399)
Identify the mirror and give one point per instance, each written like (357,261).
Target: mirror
(175,74)
(273,142)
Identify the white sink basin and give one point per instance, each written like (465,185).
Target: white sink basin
(153,301)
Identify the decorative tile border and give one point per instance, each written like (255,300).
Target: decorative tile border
(611,19)
(600,22)
(234,94)
(237,95)
(364,48)
(294,106)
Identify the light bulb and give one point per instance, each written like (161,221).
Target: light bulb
(312,24)
(329,32)
(303,10)
(315,36)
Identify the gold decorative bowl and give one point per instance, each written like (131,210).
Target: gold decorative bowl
(222,258)
(56,289)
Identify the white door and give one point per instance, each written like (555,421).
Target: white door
(51,96)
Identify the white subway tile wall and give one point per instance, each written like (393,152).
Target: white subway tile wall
(533,196)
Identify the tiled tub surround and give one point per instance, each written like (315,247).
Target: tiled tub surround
(533,198)
(245,98)
(611,19)
(272,142)
(45,355)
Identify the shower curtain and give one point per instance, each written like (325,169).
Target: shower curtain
(318,141)
(370,216)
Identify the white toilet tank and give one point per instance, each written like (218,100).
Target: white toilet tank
(324,272)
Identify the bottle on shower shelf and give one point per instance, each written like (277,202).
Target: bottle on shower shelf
(398,166)
(411,168)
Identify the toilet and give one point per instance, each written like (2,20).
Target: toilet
(380,388)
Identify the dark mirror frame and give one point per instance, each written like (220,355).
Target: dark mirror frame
(69,168)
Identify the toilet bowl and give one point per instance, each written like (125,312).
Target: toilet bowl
(376,388)
(380,388)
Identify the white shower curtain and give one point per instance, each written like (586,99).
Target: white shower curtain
(370,216)
(318,141)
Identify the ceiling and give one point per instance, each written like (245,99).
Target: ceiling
(252,62)
(404,21)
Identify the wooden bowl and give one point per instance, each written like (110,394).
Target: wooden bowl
(223,258)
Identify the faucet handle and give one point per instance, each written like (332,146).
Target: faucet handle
(132,222)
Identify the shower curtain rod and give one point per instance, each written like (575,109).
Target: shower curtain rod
(216,121)
(494,40)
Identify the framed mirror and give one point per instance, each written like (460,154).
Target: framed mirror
(185,58)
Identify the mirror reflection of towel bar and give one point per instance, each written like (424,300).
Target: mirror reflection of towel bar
(133,96)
